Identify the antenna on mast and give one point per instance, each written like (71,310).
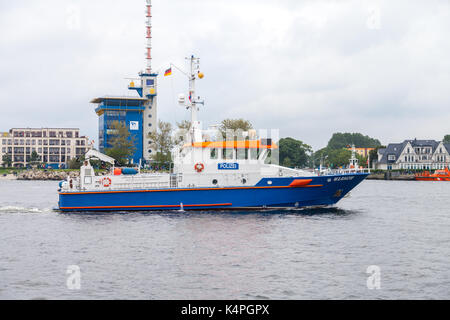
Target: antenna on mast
(148,26)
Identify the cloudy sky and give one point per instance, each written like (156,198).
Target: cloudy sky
(308,68)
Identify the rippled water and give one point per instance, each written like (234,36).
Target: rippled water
(401,227)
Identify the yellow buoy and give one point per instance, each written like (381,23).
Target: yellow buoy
(131,84)
(152,91)
(200,75)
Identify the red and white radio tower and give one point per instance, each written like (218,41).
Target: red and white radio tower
(148,25)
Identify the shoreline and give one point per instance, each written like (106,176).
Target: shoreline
(8,177)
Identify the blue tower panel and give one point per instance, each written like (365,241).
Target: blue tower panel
(134,121)
(127,111)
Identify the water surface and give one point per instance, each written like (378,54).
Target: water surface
(401,227)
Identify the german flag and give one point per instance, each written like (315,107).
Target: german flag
(168,72)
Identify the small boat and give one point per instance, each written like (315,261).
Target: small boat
(438,175)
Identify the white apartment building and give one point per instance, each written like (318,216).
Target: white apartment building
(414,155)
(55,146)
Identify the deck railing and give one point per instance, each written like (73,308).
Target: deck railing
(343,171)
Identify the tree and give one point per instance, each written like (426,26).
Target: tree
(286,162)
(184,125)
(122,143)
(162,142)
(183,129)
(338,158)
(76,163)
(342,140)
(373,154)
(7,160)
(233,127)
(293,153)
(446,138)
(335,158)
(35,158)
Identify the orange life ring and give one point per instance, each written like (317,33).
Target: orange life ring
(106,182)
(199,167)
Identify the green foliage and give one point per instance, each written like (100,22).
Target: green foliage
(446,138)
(7,160)
(335,158)
(162,142)
(184,125)
(231,128)
(76,163)
(373,154)
(338,158)
(343,140)
(293,153)
(35,158)
(122,143)
(336,155)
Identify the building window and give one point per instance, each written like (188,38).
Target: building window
(391,157)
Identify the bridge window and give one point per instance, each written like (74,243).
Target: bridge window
(213,154)
(227,154)
(242,154)
(254,154)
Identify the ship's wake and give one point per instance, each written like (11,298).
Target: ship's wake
(18,209)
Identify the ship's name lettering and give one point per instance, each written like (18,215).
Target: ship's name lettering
(343,178)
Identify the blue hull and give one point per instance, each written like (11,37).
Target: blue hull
(269,192)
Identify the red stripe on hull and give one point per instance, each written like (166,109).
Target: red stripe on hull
(158,206)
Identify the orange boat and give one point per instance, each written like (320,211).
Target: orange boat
(438,175)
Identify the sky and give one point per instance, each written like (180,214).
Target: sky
(307,68)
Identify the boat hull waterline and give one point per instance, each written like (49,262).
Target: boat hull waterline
(269,192)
